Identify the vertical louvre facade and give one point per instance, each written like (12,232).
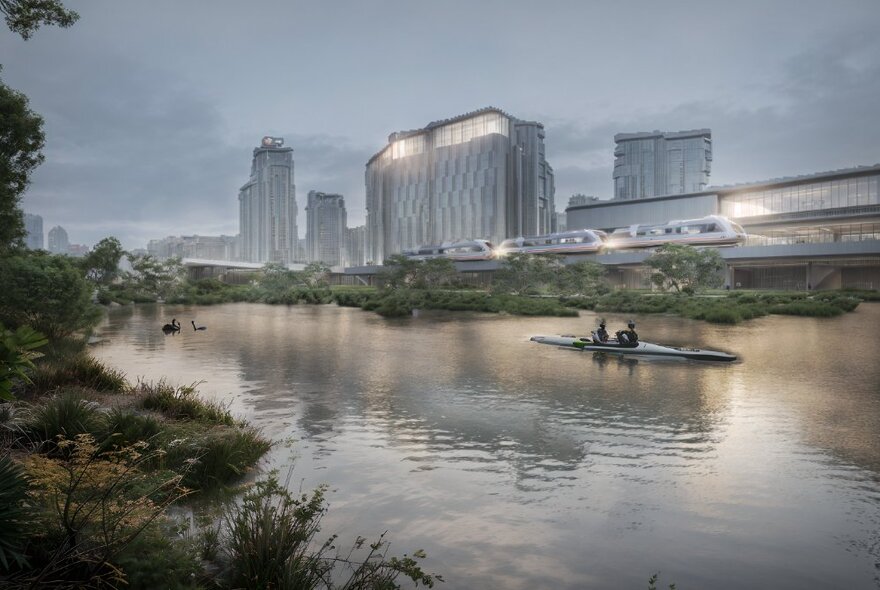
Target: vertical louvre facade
(661,163)
(267,205)
(479,175)
(326,228)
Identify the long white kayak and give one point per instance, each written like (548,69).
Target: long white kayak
(642,348)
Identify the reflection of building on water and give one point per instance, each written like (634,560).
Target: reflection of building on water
(819,231)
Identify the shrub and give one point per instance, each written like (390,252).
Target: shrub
(91,507)
(160,559)
(124,428)
(271,545)
(47,293)
(807,308)
(218,456)
(13,494)
(722,315)
(67,415)
(80,370)
(183,403)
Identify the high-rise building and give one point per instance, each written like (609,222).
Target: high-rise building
(33,225)
(326,221)
(356,246)
(58,241)
(267,205)
(661,163)
(478,175)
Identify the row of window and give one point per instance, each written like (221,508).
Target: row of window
(853,232)
(848,192)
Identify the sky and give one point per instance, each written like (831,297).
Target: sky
(152,109)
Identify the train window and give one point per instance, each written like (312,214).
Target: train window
(710,227)
(426,251)
(656,231)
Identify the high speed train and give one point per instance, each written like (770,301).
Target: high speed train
(712,230)
(460,250)
(578,241)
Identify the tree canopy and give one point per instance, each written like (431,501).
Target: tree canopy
(46,292)
(26,16)
(21,142)
(101,265)
(685,268)
(531,274)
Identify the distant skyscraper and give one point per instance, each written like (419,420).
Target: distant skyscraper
(267,205)
(661,163)
(478,175)
(560,222)
(58,241)
(326,220)
(356,246)
(33,225)
(205,247)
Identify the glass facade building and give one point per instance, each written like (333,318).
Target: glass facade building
(58,242)
(267,205)
(326,228)
(661,163)
(479,175)
(33,226)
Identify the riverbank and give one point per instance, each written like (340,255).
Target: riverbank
(721,307)
(92,468)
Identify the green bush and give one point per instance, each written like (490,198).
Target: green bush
(160,559)
(217,456)
(13,515)
(47,293)
(124,428)
(820,309)
(183,403)
(78,370)
(65,415)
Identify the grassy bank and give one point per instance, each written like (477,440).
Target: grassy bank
(716,307)
(723,307)
(92,465)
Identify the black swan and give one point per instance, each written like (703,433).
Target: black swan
(199,328)
(172,327)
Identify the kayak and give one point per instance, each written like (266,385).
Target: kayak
(642,348)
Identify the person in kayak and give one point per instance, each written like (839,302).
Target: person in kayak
(628,337)
(601,335)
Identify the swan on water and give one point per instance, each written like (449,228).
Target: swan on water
(198,328)
(174,326)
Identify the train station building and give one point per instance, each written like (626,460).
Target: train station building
(818,231)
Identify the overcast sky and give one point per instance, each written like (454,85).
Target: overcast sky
(152,108)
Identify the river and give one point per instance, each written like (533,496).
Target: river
(517,465)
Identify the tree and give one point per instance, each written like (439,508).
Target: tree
(26,16)
(314,274)
(526,274)
(46,292)
(154,277)
(582,278)
(435,273)
(685,268)
(397,272)
(21,142)
(101,265)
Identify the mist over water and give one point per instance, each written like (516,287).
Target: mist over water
(517,465)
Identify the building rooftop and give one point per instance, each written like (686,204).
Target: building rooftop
(666,134)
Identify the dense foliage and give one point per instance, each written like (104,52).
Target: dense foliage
(45,292)
(21,144)
(685,268)
(26,16)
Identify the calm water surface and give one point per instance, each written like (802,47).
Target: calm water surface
(517,465)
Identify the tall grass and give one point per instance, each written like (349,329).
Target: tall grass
(66,415)
(124,428)
(80,370)
(216,457)
(183,403)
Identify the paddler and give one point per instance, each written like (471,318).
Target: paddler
(628,337)
(602,333)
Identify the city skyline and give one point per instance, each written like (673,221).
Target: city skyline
(794,96)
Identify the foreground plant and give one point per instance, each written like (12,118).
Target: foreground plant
(17,351)
(270,543)
(93,506)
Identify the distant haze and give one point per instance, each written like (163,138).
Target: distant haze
(152,108)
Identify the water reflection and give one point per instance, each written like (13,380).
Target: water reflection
(518,465)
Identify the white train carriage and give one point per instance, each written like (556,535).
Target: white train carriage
(713,230)
(579,241)
(461,250)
